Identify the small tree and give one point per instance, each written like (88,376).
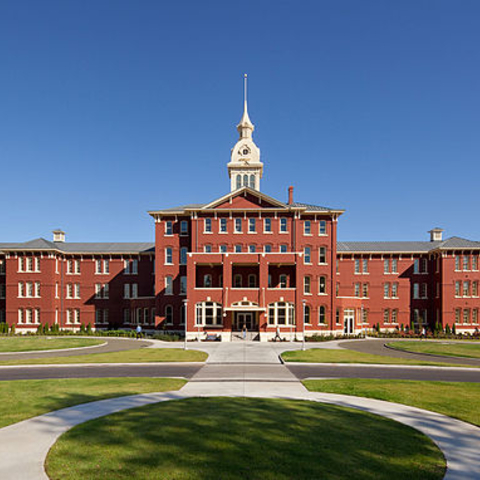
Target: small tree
(12,330)
(39,330)
(447,329)
(89,329)
(82,328)
(438,328)
(454,329)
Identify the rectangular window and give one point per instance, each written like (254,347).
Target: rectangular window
(283,225)
(466,262)
(458,286)
(307,255)
(69,290)
(365,290)
(267,225)
(364,265)
(416,266)
(322,227)
(394,290)
(126,290)
(307,285)
(69,267)
(322,285)
(386,290)
(475,289)
(134,290)
(386,266)
(283,249)
(457,263)
(21,291)
(357,289)
(207,249)
(357,265)
(2,266)
(394,265)
(267,248)
(386,316)
(134,267)
(223,249)
(283,281)
(466,289)
(252,225)
(223,225)
(238,225)
(126,267)
(474,263)
(168,227)
(307,227)
(416,291)
(424,290)
(208,225)
(37,264)
(475,315)
(458,313)
(168,256)
(394,317)
(238,249)
(466,315)
(98,290)
(37,289)
(77,290)
(183,227)
(106,266)
(424,265)
(106,291)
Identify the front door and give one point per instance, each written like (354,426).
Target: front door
(348,322)
(245,319)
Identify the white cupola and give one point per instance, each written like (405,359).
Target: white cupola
(245,167)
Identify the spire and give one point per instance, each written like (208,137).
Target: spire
(245,127)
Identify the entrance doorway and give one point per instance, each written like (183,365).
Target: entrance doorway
(247,319)
(348,321)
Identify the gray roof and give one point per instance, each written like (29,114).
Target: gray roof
(452,242)
(311,208)
(182,208)
(81,247)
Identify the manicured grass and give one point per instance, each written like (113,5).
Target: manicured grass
(22,399)
(244,438)
(140,355)
(458,400)
(33,344)
(324,355)
(468,350)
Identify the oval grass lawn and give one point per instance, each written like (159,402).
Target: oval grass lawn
(244,439)
(457,349)
(35,344)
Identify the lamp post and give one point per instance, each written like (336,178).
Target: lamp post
(185,303)
(303,325)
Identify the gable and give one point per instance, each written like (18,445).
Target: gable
(245,201)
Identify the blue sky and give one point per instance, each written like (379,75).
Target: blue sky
(111,108)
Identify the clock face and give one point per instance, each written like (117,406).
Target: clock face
(245,151)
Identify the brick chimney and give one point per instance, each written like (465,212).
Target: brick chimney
(290,195)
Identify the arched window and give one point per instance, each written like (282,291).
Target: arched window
(245,180)
(168,256)
(239,181)
(207,281)
(322,285)
(237,281)
(208,313)
(169,315)
(252,181)
(307,315)
(321,315)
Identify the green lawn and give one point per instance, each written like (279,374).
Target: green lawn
(459,400)
(324,355)
(140,355)
(244,439)
(33,344)
(468,350)
(22,399)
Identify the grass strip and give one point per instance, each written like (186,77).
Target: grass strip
(454,399)
(141,355)
(244,438)
(465,350)
(324,355)
(34,344)
(22,399)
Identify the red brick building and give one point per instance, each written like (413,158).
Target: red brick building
(245,260)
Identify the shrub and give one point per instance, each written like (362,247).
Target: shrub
(89,329)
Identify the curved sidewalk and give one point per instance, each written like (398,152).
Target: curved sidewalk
(25,445)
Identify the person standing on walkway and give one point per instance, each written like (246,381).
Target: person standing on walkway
(244,332)
(277,335)
(139,332)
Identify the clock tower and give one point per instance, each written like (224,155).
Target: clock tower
(245,167)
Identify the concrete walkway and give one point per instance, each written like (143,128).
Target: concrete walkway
(24,445)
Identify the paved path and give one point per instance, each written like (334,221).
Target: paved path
(111,345)
(24,445)
(377,346)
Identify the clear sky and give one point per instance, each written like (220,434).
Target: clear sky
(111,108)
